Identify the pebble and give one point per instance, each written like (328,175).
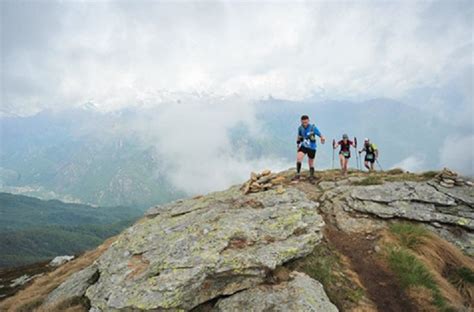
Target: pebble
(442,183)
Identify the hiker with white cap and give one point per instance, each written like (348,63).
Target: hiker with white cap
(345,152)
(371,154)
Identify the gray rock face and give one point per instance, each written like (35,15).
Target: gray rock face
(74,287)
(302,293)
(60,260)
(189,252)
(402,191)
(415,201)
(22,280)
(449,212)
(225,244)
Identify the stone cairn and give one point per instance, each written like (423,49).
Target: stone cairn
(449,179)
(263,181)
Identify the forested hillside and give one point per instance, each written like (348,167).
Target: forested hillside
(34,230)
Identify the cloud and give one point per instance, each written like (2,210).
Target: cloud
(457,153)
(191,138)
(414,163)
(117,54)
(195,69)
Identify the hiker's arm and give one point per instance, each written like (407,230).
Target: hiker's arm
(318,133)
(335,145)
(299,139)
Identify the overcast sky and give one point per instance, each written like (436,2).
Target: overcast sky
(57,54)
(117,53)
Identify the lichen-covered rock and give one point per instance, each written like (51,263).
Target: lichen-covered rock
(301,293)
(415,201)
(463,194)
(402,191)
(191,251)
(74,287)
(448,212)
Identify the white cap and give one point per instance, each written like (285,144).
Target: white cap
(366,140)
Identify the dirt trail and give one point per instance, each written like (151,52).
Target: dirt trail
(381,285)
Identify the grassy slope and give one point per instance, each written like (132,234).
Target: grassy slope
(33,230)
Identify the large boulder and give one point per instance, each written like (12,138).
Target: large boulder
(416,201)
(301,293)
(74,287)
(447,211)
(188,252)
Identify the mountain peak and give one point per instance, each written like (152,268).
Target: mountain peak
(336,244)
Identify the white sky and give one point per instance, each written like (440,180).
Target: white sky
(117,54)
(126,52)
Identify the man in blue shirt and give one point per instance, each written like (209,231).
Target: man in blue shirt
(306,144)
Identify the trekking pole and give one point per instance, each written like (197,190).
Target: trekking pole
(381,169)
(357,155)
(333,143)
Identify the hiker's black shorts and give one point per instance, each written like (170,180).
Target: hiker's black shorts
(370,158)
(346,155)
(310,152)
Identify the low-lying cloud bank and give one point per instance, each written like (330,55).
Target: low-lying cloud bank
(196,70)
(192,137)
(457,153)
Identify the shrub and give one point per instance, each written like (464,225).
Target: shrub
(370,180)
(395,171)
(409,235)
(413,273)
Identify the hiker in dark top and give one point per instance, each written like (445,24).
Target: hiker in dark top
(345,152)
(371,154)
(306,145)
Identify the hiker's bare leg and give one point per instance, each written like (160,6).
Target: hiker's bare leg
(299,160)
(343,162)
(366,164)
(311,169)
(299,156)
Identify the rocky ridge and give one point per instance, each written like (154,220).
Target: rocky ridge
(221,252)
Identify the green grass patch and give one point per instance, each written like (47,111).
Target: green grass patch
(412,273)
(461,275)
(370,180)
(395,171)
(409,235)
(320,265)
(324,264)
(429,174)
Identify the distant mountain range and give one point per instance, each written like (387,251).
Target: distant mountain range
(33,230)
(51,155)
(87,156)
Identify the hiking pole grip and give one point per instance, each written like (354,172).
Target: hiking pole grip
(333,148)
